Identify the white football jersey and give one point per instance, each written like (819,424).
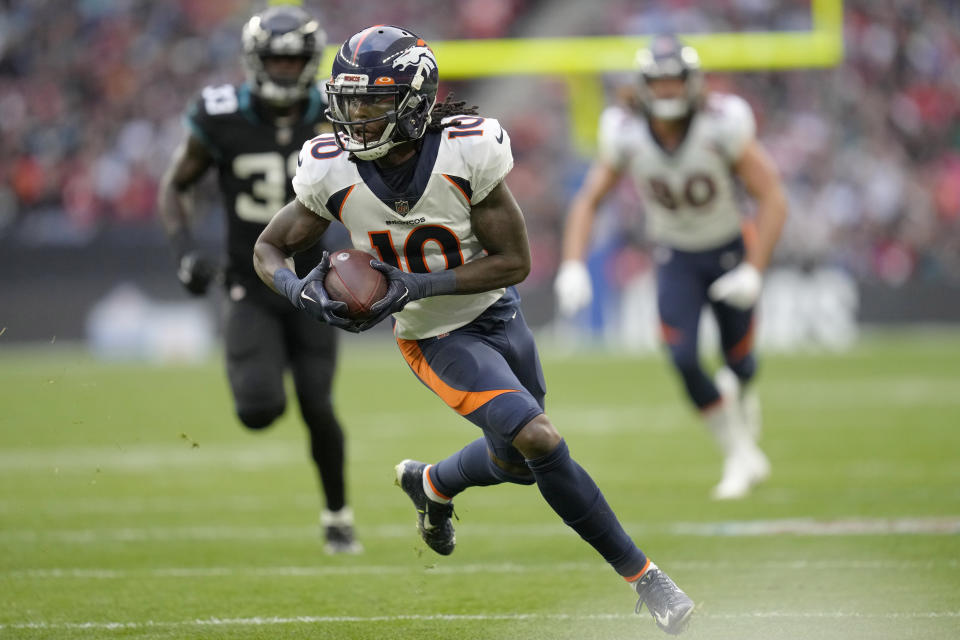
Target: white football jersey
(427,228)
(689,193)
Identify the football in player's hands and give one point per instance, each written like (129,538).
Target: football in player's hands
(354,282)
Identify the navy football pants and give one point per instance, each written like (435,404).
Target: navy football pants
(683,278)
(487,371)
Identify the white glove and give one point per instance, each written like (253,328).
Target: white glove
(739,287)
(572,287)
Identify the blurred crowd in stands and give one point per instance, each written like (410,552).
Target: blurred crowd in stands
(92,93)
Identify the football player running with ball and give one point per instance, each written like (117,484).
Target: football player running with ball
(252,134)
(420,187)
(682,147)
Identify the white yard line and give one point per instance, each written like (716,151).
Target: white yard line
(268,621)
(944,525)
(498,568)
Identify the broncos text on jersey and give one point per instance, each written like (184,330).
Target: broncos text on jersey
(689,193)
(423,229)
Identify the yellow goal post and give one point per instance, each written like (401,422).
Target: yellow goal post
(582,60)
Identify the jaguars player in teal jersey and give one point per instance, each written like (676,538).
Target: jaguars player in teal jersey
(421,188)
(251,135)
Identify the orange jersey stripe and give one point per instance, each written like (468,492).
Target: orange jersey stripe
(343,202)
(463,402)
(459,188)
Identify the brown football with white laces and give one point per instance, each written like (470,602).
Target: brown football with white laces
(354,282)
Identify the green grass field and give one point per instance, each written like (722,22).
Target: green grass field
(133,506)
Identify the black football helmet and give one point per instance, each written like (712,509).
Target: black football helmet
(282,31)
(389,67)
(668,57)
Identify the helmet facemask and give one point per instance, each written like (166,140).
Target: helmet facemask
(393,111)
(371,136)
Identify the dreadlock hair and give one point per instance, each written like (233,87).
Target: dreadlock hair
(448,108)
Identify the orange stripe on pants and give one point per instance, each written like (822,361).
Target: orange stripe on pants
(463,402)
(670,335)
(739,351)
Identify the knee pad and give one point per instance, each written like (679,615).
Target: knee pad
(257,418)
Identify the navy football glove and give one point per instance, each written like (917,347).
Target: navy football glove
(195,272)
(309,295)
(403,287)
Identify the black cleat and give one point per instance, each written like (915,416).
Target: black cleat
(433,518)
(670,607)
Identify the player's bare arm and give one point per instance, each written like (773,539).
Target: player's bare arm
(293,229)
(498,222)
(762,181)
(190,161)
(600,180)
(572,285)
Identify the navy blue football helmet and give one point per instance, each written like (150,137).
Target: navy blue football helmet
(668,57)
(282,31)
(382,89)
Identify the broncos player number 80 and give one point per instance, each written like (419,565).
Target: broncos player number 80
(682,147)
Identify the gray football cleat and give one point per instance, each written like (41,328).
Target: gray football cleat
(670,607)
(433,518)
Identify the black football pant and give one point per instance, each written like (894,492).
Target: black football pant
(264,337)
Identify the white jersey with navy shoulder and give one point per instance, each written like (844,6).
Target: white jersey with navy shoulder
(426,228)
(689,193)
